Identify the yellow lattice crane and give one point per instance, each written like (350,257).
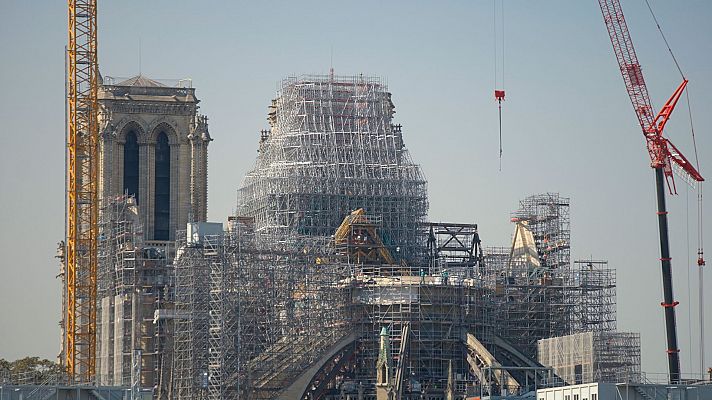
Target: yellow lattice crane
(82,192)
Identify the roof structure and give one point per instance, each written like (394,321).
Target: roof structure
(140,81)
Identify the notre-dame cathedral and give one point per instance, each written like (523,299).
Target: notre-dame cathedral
(154,146)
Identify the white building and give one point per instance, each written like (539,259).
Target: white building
(627,391)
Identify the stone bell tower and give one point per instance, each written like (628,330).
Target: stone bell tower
(154,146)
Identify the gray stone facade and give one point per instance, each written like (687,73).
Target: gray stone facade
(147,109)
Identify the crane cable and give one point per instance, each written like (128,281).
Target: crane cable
(700,243)
(700,249)
(499,93)
(664,39)
(499,106)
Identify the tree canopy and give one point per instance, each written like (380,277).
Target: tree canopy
(29,370)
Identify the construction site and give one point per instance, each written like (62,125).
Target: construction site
(329,281)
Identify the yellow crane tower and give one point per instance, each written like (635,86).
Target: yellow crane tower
(82,192)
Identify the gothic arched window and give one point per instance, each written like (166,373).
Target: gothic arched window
(131,165)
(162,188)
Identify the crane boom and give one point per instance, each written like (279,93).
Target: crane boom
(663,155)
(81,191)
(651,124)
(628,61)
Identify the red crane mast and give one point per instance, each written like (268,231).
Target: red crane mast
(664,156)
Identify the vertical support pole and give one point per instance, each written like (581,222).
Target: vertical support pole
(666,264)
(700,264)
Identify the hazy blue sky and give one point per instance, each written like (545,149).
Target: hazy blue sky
(568,125)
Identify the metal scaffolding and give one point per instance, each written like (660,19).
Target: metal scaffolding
(273,306)
(134,292)
(332,148)
(191,321)
(256,310)
(330,249)
(595,304)
(437,315)
(532,280)
(593,357)
(246,303)
(561,313)
(427,310)
(547,217)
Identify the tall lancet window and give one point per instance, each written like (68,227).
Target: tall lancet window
(163,188)
(131,165)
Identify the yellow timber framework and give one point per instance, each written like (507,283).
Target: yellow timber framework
(82,201)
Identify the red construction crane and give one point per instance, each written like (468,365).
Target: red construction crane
(664,156)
